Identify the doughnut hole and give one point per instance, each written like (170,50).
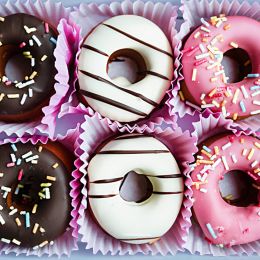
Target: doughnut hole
(14,65)
(237,189)
(237,64)
(28,195)
(125,67)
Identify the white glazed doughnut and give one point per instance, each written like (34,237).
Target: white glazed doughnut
(135,188)
(131,36)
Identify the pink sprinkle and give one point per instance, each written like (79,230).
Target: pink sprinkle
(22,44)
(197,63)
(46,26)
(10,165)
(20,175)
(252,176)
(193,51)
(217,95)
(245,230)
(205,35)
(231,139)
(8,83)
(188,49)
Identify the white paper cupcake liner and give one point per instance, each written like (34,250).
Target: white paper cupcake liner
(208,126)
(87,16)
(192,12)
(95,131)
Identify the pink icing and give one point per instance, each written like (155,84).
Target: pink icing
(244,32)
(232,225)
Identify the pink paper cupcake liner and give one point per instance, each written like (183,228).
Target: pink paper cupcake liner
(192,12)
(64,54)
(95,131)
(66,243)
(87,16)
(208,126)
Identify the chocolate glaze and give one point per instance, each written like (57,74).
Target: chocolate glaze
(135,187)
(12,34)
(85,46)
(133,151)
(53,214)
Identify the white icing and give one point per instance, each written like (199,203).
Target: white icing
(108,41)
(130,221)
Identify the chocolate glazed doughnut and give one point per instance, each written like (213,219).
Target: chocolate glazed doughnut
(32,41)
(34,202)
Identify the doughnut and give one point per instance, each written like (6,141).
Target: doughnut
(215,57)
(225,223)
(29,42)
(135,188)
(34,202)
(119,99)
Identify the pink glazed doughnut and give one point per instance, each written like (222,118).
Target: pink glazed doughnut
(222,223)
(206,85)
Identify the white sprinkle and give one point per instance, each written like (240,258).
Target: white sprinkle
(34,161)
(23,99)
(13,95)
(203,21)
(2,221)
(202,48)
(234,158)
(255,93)
(203,190)
(202,56)
(204,177)
(30,92)
(256,102)
(32,158)
(223,158)
(219,72)
(205,29)
(7,189)
(245,94)
(36,39)
(199,177)
(244,152)
(253,164)
(4,240)
(234,100)
(44,57)
(194,74)
(27,155)
(203,95)
(13,157)
(193,105)
(14,147)
(13,212)
(17,242)
(255,112)
(218,23)
(35,247)
(19,161)
(207,106)
(227,145)
(31,42)
(32,62)
(216,163)
(211,231)
(28,83)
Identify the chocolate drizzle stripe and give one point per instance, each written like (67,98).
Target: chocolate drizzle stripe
(107,180)
(130,92)
(102,196)
(167,193)
(153,74)
(166,176)
(134,152)
(121,178)
(112,102)
(138,40)
(85,46)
